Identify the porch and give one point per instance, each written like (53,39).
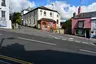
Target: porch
(46,24)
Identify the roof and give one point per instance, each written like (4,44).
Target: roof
(28,9)
(86,15)
(42,7)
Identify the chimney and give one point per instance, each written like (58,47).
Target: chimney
(79,10)
(74,14)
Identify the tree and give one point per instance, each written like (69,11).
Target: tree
(16,17)
(67,26)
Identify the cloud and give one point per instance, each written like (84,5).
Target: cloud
(66,10)
(18,5)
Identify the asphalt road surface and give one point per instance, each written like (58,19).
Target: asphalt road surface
(42,50)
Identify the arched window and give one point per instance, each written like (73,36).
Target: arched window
(44,13)
(50,14)
(57,21)
(57,16)
(41,12)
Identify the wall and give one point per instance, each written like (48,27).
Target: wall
(31,18)
(93,26)
(6,9)
(87,23)
(54,16)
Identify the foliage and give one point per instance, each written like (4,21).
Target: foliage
(16,17)
(67,24)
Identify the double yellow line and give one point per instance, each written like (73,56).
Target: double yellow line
(14,60)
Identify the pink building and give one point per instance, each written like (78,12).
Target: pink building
(82,24)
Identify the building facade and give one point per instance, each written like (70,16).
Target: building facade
(42,18)
(93,26)
(4,14)
(84,24)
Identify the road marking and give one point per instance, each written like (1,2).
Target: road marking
(87,51)
(54,37)
(70,40)
(37,41)
(84,42)
(77,41)
(14,60)
(64,39)
(92,44)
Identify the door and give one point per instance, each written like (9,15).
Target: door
(87,33)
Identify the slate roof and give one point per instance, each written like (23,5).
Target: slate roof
(44,8)
(86,15)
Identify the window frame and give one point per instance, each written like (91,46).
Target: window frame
(3,2)
(3,14)
(44,13)
(78,25)
(51,14)
(41,12)
(57,21)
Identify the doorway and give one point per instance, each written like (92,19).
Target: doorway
(87,33)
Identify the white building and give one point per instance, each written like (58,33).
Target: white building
(93,26)
(24,12)
(43,18)
(4,14)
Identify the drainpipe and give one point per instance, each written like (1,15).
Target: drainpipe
(85,33)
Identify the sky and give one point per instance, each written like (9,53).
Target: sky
(66,8)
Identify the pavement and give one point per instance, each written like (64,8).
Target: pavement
(43,49)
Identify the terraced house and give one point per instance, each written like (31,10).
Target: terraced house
(84,24)
(42,18)
(4,14)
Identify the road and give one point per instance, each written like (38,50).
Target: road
(43,50)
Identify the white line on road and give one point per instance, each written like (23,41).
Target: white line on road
(87,51)
(70,40)
(54,37)
(64,39)
(77,41)
(37,41)
(85,42)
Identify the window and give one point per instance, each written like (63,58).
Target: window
(34,20)
(30,21)
(3,14)
(95,24)
(80,32)
(41,12)
(44,13)
(3,3)
(57,21)
(80,24)
(50,14)
(57,15)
